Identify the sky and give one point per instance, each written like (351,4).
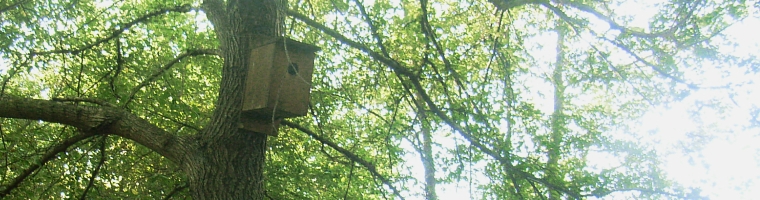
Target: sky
(728,167)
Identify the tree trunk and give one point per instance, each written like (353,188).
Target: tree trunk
(231,168)
(228,163)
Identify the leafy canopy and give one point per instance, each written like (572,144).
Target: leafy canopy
(504,99)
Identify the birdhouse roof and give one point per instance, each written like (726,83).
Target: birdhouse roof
(294,45)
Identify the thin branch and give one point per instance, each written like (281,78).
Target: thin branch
(517,186)
(537,191)
(7,79)
(95,172)
(175,191)
(12,6)
(121,29)
(372,28)
(117,71)
(266,194)
(622,75)
(12,71)
(662,34)
(570,21)
(562,15)
(348,183)
(50,155)
(350,155)
(652,65)
(198,129)
(166,67)
(428,31)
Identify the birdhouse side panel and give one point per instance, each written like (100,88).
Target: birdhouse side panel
(258,81)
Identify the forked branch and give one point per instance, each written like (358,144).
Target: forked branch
(353,157)
(49,155)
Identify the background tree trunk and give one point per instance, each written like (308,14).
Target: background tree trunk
(426,153)
(558,123)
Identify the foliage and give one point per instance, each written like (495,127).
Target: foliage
(480,76)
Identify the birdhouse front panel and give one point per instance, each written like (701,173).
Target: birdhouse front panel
(279,81)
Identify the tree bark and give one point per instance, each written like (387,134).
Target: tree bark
(228,162)
(98,120)
(228,168)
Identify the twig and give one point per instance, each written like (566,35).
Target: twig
(12,6)
(50,155)
(116,33)
(163,69)
(175,191)
(95,172)
(350,155)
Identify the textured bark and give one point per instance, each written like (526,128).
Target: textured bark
(229,168)
(98,120)
(228,163)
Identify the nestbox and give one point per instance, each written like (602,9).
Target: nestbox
(279,79)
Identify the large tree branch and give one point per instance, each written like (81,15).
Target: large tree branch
(616,26)
(509,4)
(100,120)
(395,66)
(562,15)
(372,27)
(404,72)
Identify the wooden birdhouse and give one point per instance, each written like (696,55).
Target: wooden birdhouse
(279,80)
